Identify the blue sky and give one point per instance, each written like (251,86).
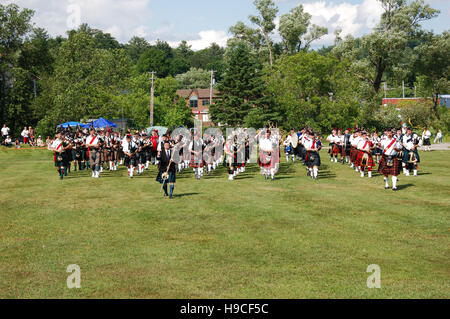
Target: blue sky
(202,22)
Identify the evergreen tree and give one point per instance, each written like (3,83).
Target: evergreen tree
(243,99)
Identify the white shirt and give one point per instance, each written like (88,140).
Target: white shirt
(25,133)
(56,144)
(354,140)
(265,145)
(309,143)
(363,145)
(391,150)
(91,141)
(126,146)
(426,134)
(5,131)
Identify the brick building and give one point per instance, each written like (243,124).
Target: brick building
(198,100)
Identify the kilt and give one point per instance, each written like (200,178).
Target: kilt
(312,159)
(359,159)
(386,170)
(301,151)
(172,177)
(60,159)
(353,154)
(335,150)
(130,161)
(345,151)
(196,161)
(265,161)
(426,141)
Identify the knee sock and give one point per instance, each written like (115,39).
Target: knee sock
(394,181)
(165,189)
(171,189)
(386,181)
(315,171)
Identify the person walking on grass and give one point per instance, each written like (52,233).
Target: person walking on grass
(438,137)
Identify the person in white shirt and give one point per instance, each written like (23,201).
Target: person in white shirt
(129,148)
(426,137)
(354,140)
(5,132)
(410,142)
(365,158)
(438,137)
(312,160)
(267,155)
(389,164)
(24,135)
(334,148)
(57,147)
(40,142)
(92,143)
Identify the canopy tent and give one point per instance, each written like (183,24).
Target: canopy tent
(161,130)
(72,124)
(102,123)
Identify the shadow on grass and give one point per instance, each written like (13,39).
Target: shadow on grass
(184,195)
(405,186)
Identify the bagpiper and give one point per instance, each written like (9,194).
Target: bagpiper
(389,164)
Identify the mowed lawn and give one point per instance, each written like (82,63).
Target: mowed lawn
(249,238)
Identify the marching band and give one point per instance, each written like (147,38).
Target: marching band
(392,151)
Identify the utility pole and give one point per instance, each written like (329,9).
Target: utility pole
(385,89)
(152,94)
(403,88)
(211,87)
(415,90)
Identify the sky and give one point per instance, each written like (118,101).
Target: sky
(202,22)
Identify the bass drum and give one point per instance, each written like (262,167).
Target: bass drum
(294,140)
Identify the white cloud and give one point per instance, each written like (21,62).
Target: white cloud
(121,18)
(354,19)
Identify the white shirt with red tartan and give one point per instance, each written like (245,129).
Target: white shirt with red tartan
(389,147)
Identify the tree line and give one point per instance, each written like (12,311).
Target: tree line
(45,81)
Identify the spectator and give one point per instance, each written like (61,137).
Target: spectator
(8,141)
(5,132)
(40,142)
(438,137)
(25,135)
(17,143)
(32,140)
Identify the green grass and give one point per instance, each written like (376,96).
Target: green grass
(251,238)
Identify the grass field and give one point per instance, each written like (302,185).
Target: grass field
(250,238)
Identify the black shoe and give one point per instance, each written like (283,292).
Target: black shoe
(386,187)
(394,189)
(171,197)
(165,195)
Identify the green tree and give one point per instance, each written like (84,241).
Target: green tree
(378,52)
(265,22)
(194,79)
(136,47)
(294,30)
(243,99)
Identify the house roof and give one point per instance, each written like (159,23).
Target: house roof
(201,93)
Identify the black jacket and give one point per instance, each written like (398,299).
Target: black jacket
(164,162)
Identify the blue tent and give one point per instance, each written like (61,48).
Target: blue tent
(102,123)
(71,124)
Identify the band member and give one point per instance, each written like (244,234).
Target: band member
(167,169)
(196,149)
(354,140)
(231,156)
(101,149)
(268,155)
(364,158)
(312,146)
(93,144)
(334,149)
(410,153)
(130,149)
(59,153)
(377,151)
(346,147)
(389,164)
(426,138)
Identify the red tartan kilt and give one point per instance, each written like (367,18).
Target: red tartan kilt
(359,158)
(262,159)
(353,154)
(386,170)
(196,162)
(335,150)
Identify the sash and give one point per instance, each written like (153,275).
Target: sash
(389,146)
(59,146)
(93,140)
